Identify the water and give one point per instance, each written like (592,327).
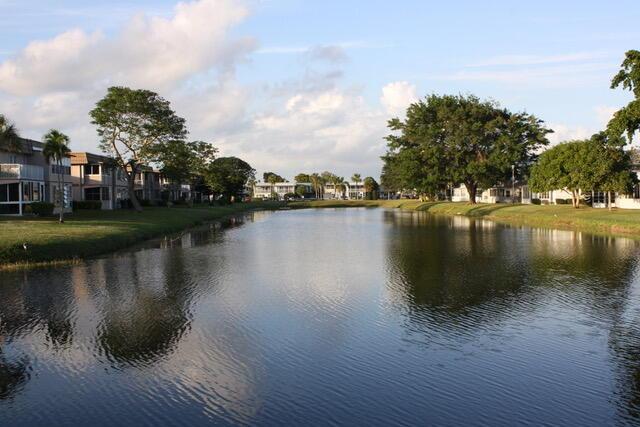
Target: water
(330,317)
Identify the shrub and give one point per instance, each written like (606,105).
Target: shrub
(87,204)
(536,201)
(42,208)
(561,202)
(145,203)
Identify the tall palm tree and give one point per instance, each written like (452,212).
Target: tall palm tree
(356,178)
(9,138)
(338,185)
(316,183)
(56,147)
(273,180)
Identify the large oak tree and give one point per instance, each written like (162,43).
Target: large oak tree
(457,139)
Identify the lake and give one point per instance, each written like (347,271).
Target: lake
(330,317)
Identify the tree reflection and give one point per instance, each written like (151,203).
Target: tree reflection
(13,375)
(145,316)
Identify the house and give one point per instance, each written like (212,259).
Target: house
(265,190)
(27,177)
(97,177)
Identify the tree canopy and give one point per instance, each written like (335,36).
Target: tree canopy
(456,139)
(131,124)
(228,176)
(181,161)
(598,163)
(56,148)
(627,119)
(272,177)
(9,138)
(302,177)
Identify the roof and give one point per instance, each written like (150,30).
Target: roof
(83,158)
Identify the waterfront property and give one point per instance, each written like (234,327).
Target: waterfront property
(27,177)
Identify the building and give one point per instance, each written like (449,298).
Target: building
(27,177)
(96,177)
(265,190)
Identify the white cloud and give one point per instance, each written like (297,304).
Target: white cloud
(397,96)
(510,60)
(562,133)
(604,113)
(151,51)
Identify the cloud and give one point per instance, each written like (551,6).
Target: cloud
(151,51)
(511,60)
(397,96)
(332,54)
(604,113)
(562,133)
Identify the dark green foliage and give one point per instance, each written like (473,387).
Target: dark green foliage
(42,208)
(87,205)
(228,176)
(627,119)
(272,178)
(459,140)
(536,201)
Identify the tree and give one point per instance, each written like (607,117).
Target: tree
(598,163)
(183,162)
(56,148)
(302,178)
(370,187)
(338,185)
(461,140)
(316,183)
(131,124)
(9,138)
(274,177)
(627,119)
(228,176)
(301,190)
(357,179)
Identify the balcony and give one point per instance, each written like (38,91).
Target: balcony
(17,171)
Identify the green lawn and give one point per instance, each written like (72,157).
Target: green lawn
(601,221)
(88,233)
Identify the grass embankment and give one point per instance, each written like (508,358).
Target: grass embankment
(90,233)
(600,221)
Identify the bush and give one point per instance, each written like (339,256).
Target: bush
(561,202)
(536,201)
(95,205)
(145,203)
(42,208)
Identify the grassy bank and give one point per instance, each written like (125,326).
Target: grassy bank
(90,233)
(599,221)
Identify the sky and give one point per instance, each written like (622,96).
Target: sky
(306,86)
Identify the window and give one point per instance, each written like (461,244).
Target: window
(61,170)
(105,193)
(92,193)
(92,169)
(14,192)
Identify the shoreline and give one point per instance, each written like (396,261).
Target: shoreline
(89,234)
(618,223)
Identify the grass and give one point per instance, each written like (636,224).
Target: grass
(90,233)
(622,222)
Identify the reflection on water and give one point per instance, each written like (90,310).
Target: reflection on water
(330,317)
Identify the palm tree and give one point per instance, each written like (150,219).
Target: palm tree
(56,147)
(252,184)
(316,183)
(273,180)
(9,138)
(338,185)
(356,178)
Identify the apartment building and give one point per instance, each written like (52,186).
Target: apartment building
(96,177)
(27,177)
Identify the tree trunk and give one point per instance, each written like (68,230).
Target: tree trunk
(60,192)
(472,189)
(575,199)
(131,179)
(609,199)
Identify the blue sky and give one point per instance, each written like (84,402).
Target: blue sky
(304,85)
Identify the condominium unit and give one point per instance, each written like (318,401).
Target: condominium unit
(26,177)
(98,178)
